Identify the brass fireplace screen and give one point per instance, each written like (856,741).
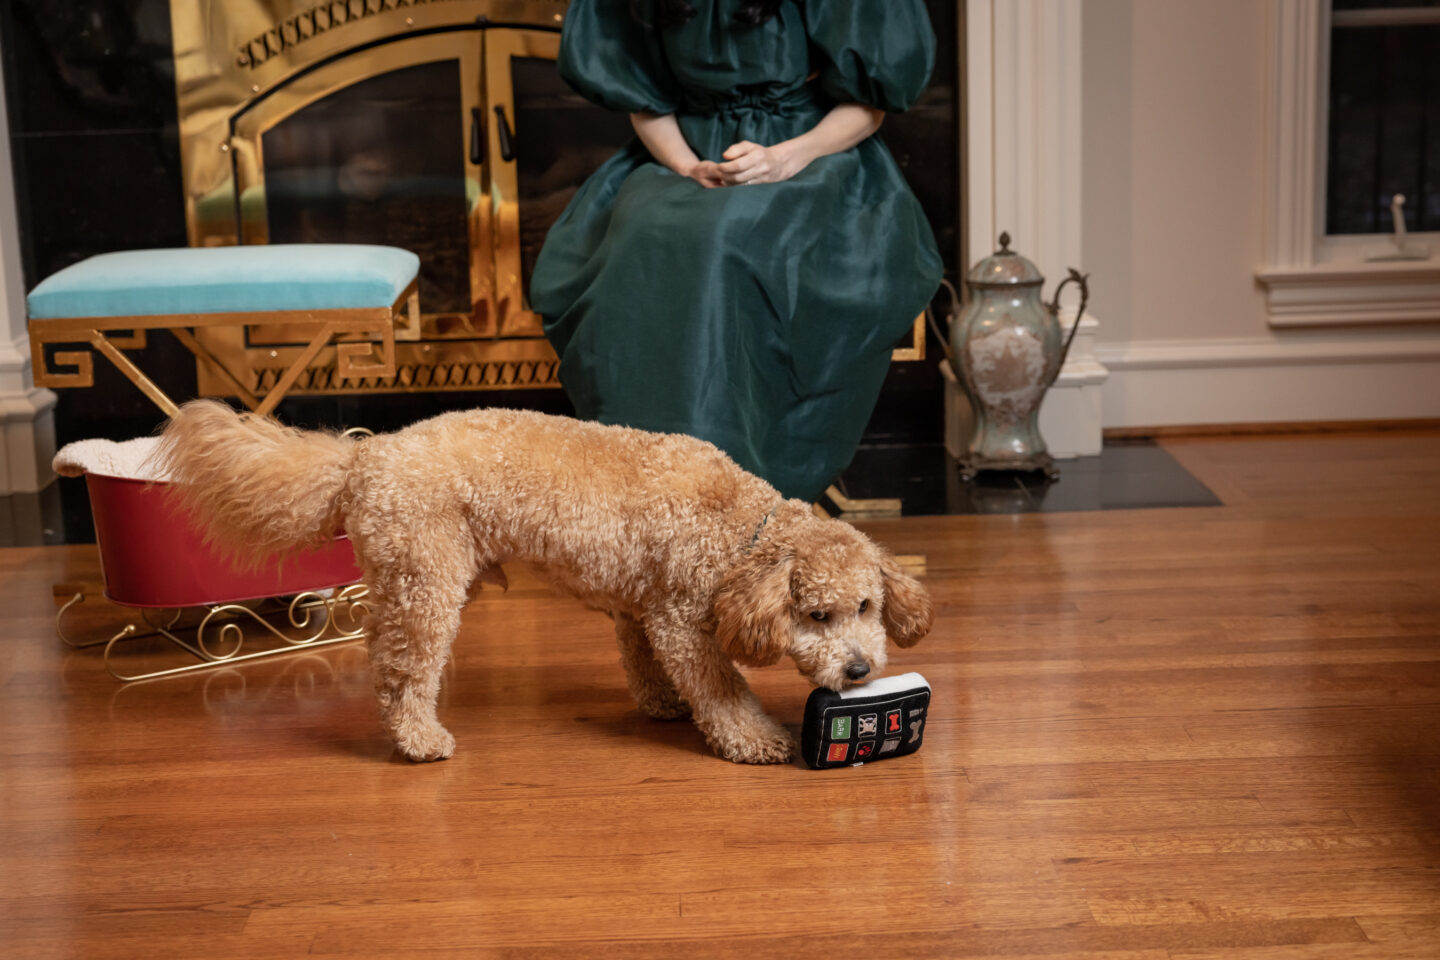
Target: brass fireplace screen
(440,126)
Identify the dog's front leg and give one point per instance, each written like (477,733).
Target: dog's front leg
(649,684)
(734,723)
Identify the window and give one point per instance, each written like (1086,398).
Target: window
(1329,259)
(1384,117)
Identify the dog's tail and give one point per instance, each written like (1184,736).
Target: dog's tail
(258,488)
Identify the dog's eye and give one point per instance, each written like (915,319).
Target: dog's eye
(819,615)
(864,605)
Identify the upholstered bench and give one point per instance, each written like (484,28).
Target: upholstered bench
(357,295)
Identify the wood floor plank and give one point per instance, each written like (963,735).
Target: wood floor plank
(1417,927)
(1348,951)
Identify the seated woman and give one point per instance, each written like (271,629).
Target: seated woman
(741,271)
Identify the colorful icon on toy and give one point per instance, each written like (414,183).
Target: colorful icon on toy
(892,722)
(864,750)
(840,728)
(838,752)
(869,724)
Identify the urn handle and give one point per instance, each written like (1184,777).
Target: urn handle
(1054,307)
(943,336)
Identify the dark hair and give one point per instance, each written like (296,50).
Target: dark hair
(669,13)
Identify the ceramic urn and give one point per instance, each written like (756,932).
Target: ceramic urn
(1008,349)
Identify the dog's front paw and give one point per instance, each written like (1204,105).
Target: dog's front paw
(669,706)
(425,743)
(755,741)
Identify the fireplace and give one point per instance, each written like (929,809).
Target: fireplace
(441,127)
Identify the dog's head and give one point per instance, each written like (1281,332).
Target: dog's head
(826,595)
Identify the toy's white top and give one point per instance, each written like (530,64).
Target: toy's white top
(887,685)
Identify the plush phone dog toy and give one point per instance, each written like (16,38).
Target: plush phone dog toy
(884,718)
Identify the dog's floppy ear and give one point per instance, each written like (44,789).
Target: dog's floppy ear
(907,613)
(753,620)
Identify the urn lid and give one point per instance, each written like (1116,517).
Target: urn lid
(1004,268)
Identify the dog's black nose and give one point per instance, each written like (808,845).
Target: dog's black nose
(857,669)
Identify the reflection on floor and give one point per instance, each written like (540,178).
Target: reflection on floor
(1126,475)
(37,519)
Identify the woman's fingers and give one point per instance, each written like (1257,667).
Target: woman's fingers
(744,162)
(737,150)
(734,177)
(740,164)
(747,162)
(707,174)
(747,168)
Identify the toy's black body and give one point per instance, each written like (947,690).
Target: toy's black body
(885,718)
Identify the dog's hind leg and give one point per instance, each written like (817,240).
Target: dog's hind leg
(654,694)
(415,614)
(734,723)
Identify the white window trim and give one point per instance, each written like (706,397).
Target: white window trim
(1309,279)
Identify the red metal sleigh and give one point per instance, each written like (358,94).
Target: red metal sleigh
(154,560)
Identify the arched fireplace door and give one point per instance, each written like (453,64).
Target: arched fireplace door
(441,127)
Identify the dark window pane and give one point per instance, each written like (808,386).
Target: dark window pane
(1384,135)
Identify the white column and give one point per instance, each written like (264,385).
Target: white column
(27,424)
(1023,85)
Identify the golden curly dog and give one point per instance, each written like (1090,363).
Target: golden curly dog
(698,562)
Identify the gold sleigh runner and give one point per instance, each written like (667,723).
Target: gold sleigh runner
(218,634)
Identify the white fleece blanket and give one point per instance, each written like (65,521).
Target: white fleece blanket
(130,459)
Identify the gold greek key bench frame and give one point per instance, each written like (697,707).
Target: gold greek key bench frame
(354,333)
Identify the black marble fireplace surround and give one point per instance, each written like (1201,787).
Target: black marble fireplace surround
(91,104)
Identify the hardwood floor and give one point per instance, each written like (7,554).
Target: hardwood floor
(1207,733)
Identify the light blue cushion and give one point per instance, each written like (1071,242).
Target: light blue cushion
(249,279)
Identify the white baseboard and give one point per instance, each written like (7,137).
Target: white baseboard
(1071,413)
(1179,382)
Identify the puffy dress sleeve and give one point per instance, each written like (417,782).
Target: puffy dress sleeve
(876,52)
(615,61)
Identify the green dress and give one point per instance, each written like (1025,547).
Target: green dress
(758,317)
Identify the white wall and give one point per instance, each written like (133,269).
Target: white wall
(1107,201)
(1175,131)
(27,429)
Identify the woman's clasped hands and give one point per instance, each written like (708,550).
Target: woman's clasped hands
(746,162)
